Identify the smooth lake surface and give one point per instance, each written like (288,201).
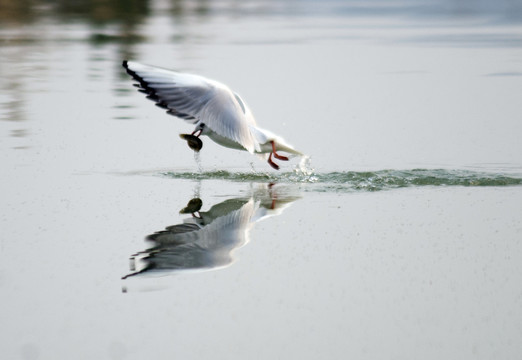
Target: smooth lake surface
(400,239)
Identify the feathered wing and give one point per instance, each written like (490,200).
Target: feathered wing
(196,100)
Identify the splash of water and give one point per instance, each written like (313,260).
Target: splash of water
(197,158)
(305,166)
(349,181)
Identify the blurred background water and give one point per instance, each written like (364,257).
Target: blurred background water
(401,240)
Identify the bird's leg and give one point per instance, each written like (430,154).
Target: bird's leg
(199,131)
(272,195)
(272,164)
(276,155)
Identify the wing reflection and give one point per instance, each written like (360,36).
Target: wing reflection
(207,239)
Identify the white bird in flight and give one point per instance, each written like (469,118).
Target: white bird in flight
(217,111)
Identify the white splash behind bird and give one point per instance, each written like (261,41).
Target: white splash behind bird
(217,111)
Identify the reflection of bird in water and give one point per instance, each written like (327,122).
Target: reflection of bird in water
(192,207)
(207,239)
(216,111)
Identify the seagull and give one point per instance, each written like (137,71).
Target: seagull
(217,111)
(208,239)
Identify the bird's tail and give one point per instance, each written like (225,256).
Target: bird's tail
(281,146)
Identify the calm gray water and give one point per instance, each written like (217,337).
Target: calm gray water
(400,239)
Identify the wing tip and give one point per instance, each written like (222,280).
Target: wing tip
(142,84)
(125,64)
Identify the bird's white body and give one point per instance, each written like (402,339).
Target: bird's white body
(261,136)
(216,111)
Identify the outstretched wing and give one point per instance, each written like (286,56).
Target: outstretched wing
(196,100)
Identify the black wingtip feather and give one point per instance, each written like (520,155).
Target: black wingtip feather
(144,87)
(153,97)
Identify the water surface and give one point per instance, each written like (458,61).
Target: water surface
(400,239)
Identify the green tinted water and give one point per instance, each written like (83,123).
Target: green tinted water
(361,181)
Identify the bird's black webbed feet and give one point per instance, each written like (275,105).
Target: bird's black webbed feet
(194,142)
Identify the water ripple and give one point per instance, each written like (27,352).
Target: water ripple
(362,181)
